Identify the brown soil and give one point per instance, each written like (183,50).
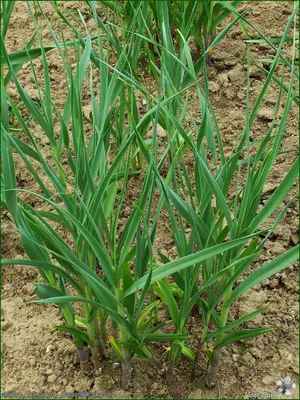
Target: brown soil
(37,358)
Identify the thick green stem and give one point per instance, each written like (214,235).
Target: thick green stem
(96,330)
(102,322)
(90,327)
(223,315)
(133,161)
(83,357)
(141,160)
(201,344)
(98,338)
(174,355)
(214,365)
(81,351)
(91,333)
(126,353)
(126,367)
(114,329)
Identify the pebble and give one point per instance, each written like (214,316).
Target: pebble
(50,348)
(236,75)
(242,371)
(273,283)
(283,231)
(213,87)
(277,248)
(161,133)
(98,372)
(267,380)
(295,238)
(115,365)
(223,80)
(155,386)
(69,389)
(49,372)
(52,378)
(266,114)
(6,326)
(259,343)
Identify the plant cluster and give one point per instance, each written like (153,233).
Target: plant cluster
(103,274)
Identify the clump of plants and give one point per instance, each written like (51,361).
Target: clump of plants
(75,235)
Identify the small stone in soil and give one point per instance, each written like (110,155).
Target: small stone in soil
(242,371)
(267,380)
(6,326)
(52,378)
(266,114)
(69,389)
(277,248)
(295,239)
(50,348)
(115,365)
(49,372)
(213,87)
(98,372)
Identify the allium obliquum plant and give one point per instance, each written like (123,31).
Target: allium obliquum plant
(81,173)
(197,19)
(222,202)
(74,238)
(73,234)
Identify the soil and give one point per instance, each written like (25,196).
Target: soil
(37,358)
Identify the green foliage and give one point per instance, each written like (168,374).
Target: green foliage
(84,167)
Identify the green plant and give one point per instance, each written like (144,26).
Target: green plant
(223,203)
(74,235)
(199,19)
(74,239)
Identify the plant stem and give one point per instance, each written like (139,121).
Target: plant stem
(114,329)
(90,327)
(174,355)
(81,350)
(141,160)
(98,338)
(83,358)
(96,330)
(126,367)
(102,321)
(126,353)
(201,344)
(214,365)
(224,315)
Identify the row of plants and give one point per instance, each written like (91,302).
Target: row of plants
(71,229)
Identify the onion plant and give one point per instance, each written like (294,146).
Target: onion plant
(74,235)
(224,203)
(199,19)
(74,240)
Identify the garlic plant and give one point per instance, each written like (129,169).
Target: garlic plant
(75,236)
